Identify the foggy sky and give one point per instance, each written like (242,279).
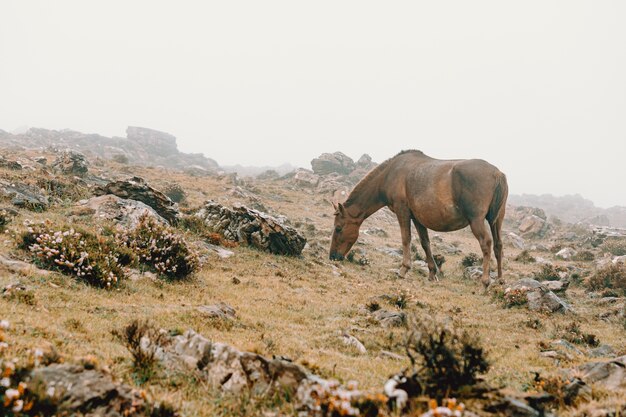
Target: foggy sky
(538,88)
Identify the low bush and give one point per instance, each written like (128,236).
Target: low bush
(611,277)
(615,246)
(471,260)
(175,192)
(161,248)
(444,357)
(549,272)
(525,257)
(92,258)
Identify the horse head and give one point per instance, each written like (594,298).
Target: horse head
(345,233)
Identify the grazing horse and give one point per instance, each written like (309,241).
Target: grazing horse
(441,195)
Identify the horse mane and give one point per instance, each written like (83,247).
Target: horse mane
(358,188)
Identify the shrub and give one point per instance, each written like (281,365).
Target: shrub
(94,259)
(584,256)
(515,297)
(120,158)
(549,272)
(471,260)
(175,192)
(445,358)
(614,246)
(525,257)
(612,276)
(573,334)
(161,248)
(143,353)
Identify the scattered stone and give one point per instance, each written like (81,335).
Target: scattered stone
(352,341)
(516,241)
(252,227)
(390,318)
(71,163)
(8,164)
(328,163)
(218,250)
(126,213)
(397,253)
(220,311)
(533,226)
(385,354)
(137,189)
(476,272)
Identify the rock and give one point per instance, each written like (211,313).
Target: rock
(22,268)
(13,165)
(533,226)
(556,286)
(515,240)
(385,354)
(365,162)
(602,351)
(513,407)
(333,163)
(137,189)
(352,341)
(25,196)
(6,215)
(74,390)
(389,318)
(218,311)
(126,213)
(566,253)
(448,249)
(252,227)
(609,374)
(71,163)
(306,178)
(619,260)
(160,143)
(538,296)
(218,250)
(476,272)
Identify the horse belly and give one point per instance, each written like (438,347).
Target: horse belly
(441,218)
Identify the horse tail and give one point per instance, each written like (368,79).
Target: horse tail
(498,201)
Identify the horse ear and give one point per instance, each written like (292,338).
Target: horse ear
(340,209)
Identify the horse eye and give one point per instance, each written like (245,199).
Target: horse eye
(338,229)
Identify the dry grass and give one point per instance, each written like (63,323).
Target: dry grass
(296,307)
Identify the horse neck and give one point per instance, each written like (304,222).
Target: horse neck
(365,199)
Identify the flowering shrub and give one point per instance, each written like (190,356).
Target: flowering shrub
(92,258)
(515,296)
(451,408)
(161,248)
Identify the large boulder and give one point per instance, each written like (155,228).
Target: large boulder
(611,374)
(305,178)
(252,227)
(126,213)
(137,189)
(337,162)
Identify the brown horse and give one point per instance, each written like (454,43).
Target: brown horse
(441,195)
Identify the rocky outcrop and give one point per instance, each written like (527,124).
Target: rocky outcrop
(536,295)
(137,189)
(337,162)
(252,227)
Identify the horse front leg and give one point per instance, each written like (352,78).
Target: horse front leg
(433,270)
(404,219)
(484,238)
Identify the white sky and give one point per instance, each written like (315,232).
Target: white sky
(536,87)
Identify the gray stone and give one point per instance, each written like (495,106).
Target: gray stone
(71,163)
(306,178)
(218,311)
(556,286)
(126,213)
(24,195)
(328,163)
(602,351)
(609,374)
(389,318)
(539,297)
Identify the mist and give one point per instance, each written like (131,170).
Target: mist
(536,88)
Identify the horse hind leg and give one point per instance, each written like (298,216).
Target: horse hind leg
(496,227)
(484,239)
(433,270)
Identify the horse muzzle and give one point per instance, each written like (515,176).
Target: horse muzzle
(336,256)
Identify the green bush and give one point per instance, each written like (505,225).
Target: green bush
(612,277)
(471,260)
(161,248)
(549,272)
(525,257)
(175,192)
(92,258)
(615,246)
